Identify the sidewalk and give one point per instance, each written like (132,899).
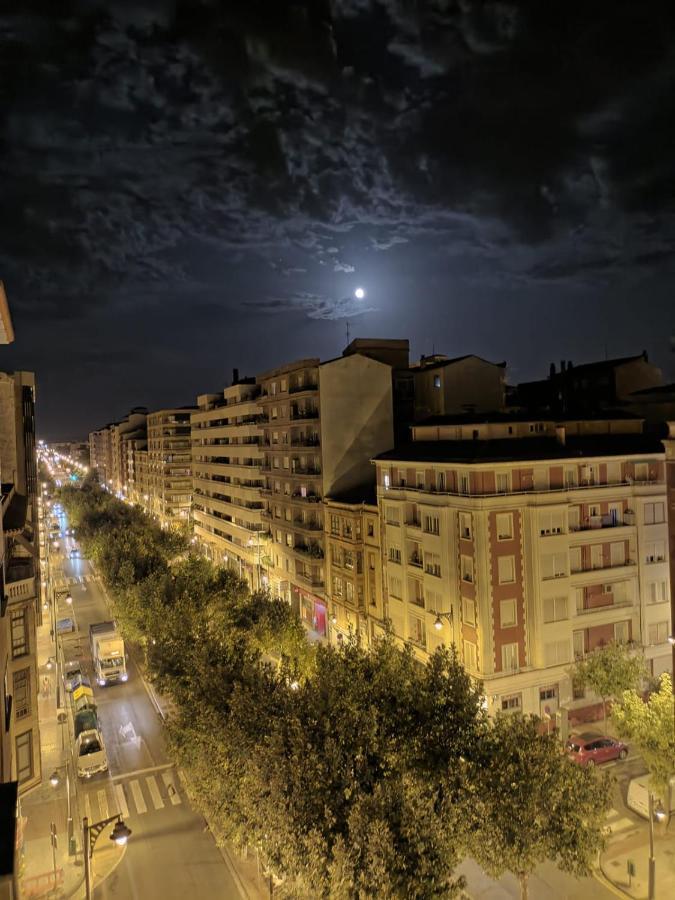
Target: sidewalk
(48,872)
(635,849)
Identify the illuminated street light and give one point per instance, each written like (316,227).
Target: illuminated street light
(54,779)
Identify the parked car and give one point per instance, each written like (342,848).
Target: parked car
(90,753)
(71,671)
(590,750)
(74,552)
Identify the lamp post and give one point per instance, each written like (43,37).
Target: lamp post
(659,815)
(90,834)
(438,623)
(55,781)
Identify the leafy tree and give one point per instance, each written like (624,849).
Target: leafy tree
(609,671)
(649,725)
(532,804)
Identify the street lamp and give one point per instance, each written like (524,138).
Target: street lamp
(120,835)
(658,814)
(55,781)
(438,623)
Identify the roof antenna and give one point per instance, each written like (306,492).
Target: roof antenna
(347,329)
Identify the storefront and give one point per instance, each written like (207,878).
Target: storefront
(311,609)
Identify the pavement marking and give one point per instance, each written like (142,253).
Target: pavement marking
(159,768)
(87,807)
(121,801)
(103,803)
(138,797)
(154,792)
(171,788)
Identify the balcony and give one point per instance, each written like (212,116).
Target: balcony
(305,442)
(313,580)
(300,414)
(306,498)
(311,525)
(311,550)
(411,523)
(415,559)
(299,388)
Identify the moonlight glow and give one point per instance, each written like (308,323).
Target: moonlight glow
(359,293)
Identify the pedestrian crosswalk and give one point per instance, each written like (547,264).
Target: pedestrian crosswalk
(133,796)
(618,824)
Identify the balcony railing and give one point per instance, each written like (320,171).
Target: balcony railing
(415,560)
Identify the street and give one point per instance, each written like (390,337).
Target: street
(169,853)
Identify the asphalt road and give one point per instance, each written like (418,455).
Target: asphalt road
(169,855)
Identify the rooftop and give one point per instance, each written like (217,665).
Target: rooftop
(362,493)
(423,365)
(511,449)
(517,415)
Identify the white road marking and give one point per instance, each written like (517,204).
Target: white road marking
(621,825)
(121,801)
(138,797)
(154,792)
(142,771)
(171,788)
(103,804)
(87,807)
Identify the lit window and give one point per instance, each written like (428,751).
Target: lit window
(507,613)
(506,566)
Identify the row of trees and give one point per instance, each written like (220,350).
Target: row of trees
(354,773)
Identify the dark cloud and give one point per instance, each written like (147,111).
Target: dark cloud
(190,154)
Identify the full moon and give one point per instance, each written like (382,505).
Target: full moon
(359,293)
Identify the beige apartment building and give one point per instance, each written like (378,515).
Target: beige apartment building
(322,422)
(138,479)
(169,466)
(21,609)
(353,564)
(527,544)
(227,458)
(123,436)
(101,454)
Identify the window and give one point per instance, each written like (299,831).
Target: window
(395,587)
(578,689)
(401,478)
(506,569)
(349,592)
(470,656)
(617,553)
(658,633)
(579,644)
(657,592)
(337,586)
(468,611)
(386,481)
(289,540)
(21,693)
(507,613)
(512,703)
(349,559)
(504,526)
(621,635)
(417,631)
(395,555)
(440,482)
(556,653)
(655,513)
(552,522)
(275,412)
(641,471)
(24,756)
(509,657)
(415,592)
(432,564)
(503,482)
(554,565)
(275,462)
(466,568)
(370,529)
(571,476)
(334,525)
(19,633)
(392,515)
(613,473)
(464,483)
(655,551)
(419,481)
(432,524)
(555,609)
(465,525)
(371,562)
(437,381)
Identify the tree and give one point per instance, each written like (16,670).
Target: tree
(609,671)
(531,803)
(649,725)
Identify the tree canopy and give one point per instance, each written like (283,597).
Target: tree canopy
(611,670)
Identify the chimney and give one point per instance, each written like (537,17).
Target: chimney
(569,364)
(235,376)
(551,371)
(560,434)
(562,366)
(644,356)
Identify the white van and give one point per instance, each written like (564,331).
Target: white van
(638,796)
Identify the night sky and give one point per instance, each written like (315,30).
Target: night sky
(192,186)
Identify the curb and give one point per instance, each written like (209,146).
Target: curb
(603,878)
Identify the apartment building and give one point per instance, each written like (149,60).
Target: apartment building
(138,484)
(169,466)
(227,460)
(669,445)
(527,544)
(21,609)
(322,422)
(123,435)
(353,564)
(101,454)
(462,385)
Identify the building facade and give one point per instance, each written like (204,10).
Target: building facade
(21,595)
(227,459)
(169,466)
(353,565)
(101,454)
(527,544)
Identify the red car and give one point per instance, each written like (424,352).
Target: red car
(589,750)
